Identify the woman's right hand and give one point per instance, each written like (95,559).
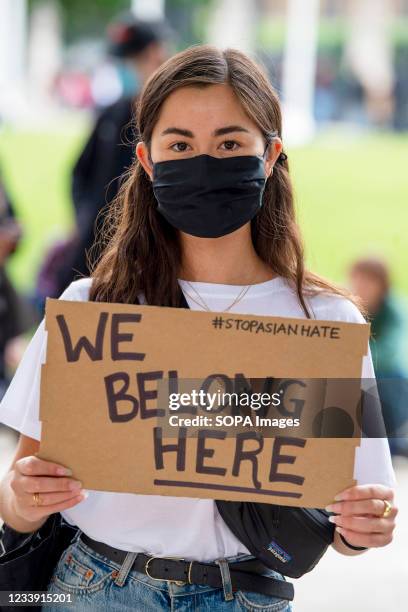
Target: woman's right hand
(57,492)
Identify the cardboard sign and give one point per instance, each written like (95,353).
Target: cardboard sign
(106,383)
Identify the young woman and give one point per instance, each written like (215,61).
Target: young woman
(207,211)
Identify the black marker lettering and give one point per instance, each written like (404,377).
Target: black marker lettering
(277,459)
(249,455)
(117,338)
(203,452)
(160,448)
(145,394)
(117,396)
(95,352)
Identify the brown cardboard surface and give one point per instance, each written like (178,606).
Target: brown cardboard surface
(114,449)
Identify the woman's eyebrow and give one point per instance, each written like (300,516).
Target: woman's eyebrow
(228,129)
(179,131)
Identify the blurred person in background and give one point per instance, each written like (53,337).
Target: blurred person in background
(142,47)
(15,313)
(370,280)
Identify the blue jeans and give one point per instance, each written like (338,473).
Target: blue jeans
(97,584)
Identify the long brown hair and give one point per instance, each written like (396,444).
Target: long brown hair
(141,250)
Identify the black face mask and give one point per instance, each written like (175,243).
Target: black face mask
(208,196)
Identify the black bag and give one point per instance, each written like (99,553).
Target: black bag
(27,560)
(286,539)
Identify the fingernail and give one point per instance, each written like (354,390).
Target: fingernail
(76,484)
(339,530)
(85,494)
(338,497)
(329,508)
(332,519)
(64,471)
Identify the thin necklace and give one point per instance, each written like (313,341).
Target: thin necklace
(205,306)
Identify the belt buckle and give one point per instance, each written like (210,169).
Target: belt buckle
(178,582)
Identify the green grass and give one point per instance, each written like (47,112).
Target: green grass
(36,170)
(352,200)
(351,195)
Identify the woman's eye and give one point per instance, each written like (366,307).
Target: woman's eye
(180,147)
(230,145)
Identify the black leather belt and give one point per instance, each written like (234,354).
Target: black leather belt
(243,573)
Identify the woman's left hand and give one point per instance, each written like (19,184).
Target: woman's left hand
(360,515)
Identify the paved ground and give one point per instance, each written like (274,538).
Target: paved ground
(373,582)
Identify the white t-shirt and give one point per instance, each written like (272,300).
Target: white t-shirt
(181,526)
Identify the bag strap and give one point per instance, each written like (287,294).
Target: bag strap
(183,301)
